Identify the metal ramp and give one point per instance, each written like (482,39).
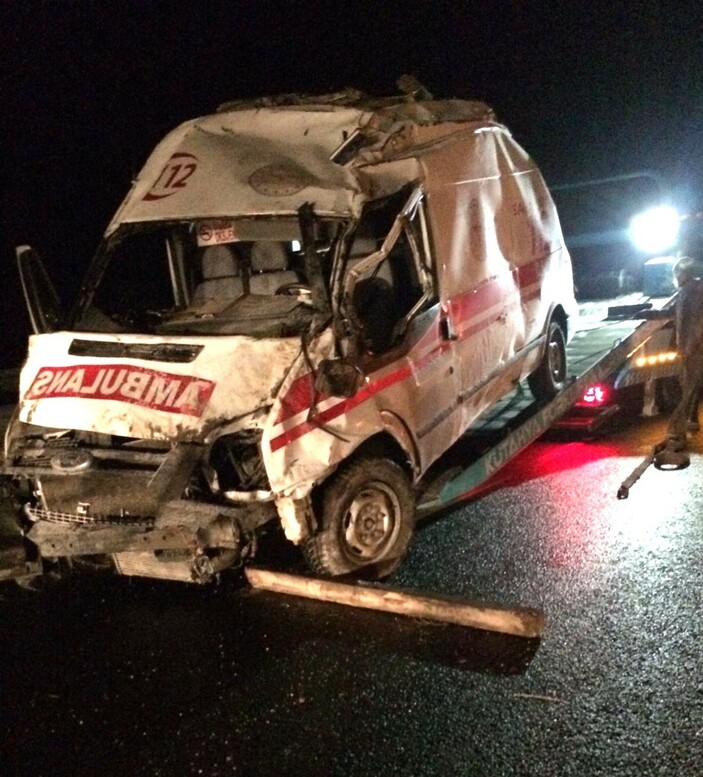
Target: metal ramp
(516,421)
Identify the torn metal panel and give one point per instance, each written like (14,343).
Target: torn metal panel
(312,434)
(273,159)
(248,162)
(309,433)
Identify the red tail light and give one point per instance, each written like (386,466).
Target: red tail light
(594,396)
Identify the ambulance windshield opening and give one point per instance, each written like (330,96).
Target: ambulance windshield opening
(209,277)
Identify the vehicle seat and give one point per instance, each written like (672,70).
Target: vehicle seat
(269,268)
(374,304)
(221,275)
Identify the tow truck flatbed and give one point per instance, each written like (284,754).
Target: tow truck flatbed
(593,354)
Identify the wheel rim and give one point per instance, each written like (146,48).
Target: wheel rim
(371,522)
(555,355)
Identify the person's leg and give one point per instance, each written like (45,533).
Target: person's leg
(691,379)
(694,424)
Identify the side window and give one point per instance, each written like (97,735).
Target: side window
(404,272)
(390,291)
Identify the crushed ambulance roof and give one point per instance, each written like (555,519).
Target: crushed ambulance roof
(272,155)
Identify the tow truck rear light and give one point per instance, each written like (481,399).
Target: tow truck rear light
(594,396)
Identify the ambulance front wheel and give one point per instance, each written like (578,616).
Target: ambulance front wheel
(366,513)
(550,376)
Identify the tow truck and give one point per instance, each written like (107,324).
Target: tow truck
(303,349)
(596,353)
(646,383)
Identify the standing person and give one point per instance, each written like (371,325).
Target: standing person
(689,343)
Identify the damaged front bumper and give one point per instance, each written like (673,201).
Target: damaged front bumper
(186,540)
(141,509)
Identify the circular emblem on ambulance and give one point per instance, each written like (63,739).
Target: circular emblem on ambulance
(279,180)
(205,233)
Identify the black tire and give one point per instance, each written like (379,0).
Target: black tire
(367,516)
(550,376)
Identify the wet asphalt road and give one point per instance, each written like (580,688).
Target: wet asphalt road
(117,676)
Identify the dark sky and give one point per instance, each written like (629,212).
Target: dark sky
(87,89)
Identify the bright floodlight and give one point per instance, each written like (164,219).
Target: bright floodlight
(655,230)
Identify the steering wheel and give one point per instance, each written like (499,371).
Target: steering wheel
(292,289)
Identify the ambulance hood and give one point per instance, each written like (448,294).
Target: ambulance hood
(147,388)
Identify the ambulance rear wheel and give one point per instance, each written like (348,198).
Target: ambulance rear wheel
(550,376)
(367,516)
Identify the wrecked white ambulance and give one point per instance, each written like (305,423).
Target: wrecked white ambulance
(299,306)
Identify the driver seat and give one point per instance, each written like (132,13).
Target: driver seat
(269,268)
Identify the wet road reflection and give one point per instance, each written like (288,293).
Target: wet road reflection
(118,676)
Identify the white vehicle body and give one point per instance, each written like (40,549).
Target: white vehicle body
(419,263)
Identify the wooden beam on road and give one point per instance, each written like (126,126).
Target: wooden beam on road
(517,621)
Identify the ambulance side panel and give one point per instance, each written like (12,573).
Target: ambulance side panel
(498,253)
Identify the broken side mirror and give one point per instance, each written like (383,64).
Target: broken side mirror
(337,378)
(43,304)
